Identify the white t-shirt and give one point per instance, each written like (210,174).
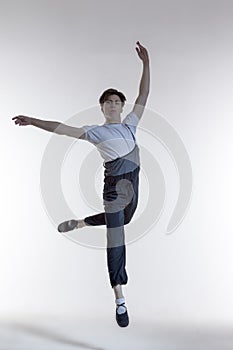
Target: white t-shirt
(113,140)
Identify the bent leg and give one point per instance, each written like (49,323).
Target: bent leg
(131,207)
(95,220)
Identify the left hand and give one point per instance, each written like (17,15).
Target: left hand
(142,53)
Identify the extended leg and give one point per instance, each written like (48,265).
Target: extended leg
(116,250)
(116,259)
(118,291)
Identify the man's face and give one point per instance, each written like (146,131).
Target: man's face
(112,107)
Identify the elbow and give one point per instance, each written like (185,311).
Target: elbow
(60,129)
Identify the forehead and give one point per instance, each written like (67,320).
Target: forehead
(113,97)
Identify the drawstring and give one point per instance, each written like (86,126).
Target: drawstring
(131,133)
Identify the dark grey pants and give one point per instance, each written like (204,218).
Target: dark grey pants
(120,198)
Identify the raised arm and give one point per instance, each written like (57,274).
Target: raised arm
(56,127)
(144,86)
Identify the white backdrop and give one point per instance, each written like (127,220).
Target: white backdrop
(57,57)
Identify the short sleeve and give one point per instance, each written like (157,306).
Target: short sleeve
(90,133)
(132,121)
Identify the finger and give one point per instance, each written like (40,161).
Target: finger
(139,50)
(139,44)
(143,49)
(19,120)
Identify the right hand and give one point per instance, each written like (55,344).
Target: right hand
(142,53)
(22,120)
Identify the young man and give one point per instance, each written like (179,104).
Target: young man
(116,142)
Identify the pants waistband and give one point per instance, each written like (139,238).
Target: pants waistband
(122,165)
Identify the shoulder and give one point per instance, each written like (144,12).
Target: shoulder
(131,119)
(88,128)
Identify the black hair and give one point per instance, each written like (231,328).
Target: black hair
(109,92)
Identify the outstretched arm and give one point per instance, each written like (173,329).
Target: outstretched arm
(144,87)
(56,127)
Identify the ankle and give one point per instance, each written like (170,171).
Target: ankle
(118,291)
(120,301)
(81,224)
(120,304)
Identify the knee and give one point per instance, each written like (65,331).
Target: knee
(128,215)
(127,220)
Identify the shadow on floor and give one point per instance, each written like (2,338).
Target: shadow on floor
(51,335)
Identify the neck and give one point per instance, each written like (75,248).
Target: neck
(113,121)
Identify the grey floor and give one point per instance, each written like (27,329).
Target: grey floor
(55,333)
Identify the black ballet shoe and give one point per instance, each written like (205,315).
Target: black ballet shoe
(122,319)
(67,225)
